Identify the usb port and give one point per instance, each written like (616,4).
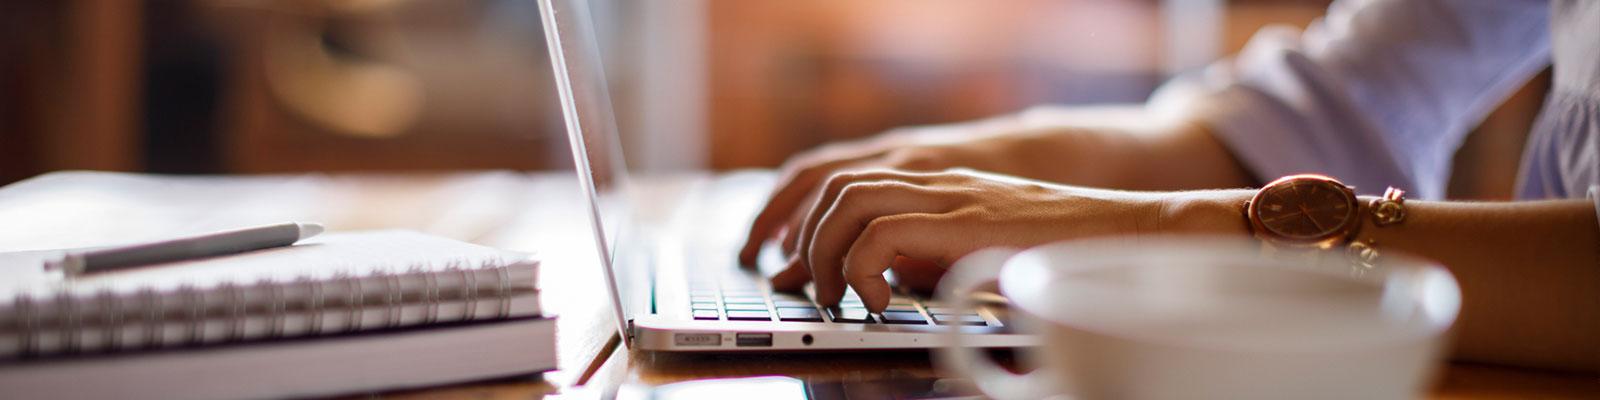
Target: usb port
(753,340)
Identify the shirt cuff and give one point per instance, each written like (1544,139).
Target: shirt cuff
(1248,122)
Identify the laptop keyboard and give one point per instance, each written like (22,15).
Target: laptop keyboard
(748,301)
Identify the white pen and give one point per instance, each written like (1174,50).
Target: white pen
(207,245)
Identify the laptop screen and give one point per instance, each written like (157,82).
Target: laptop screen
(592,131)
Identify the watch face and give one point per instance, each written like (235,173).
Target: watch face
(1306,209)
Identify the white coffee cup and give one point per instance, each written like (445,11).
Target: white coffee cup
(1206,319)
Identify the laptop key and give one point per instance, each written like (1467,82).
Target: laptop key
(948,310)
(705,314)
(901,308)
(749,316)
(703,306)
(792,303)
(744,300)
(903,317)
(851,315)
(973,320)
(703,299)
(788,296)
(807,314)
(745,307)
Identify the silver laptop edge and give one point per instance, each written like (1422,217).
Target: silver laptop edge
(579,24)
(647,308)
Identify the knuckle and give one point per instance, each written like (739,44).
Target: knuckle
(839,180)
(811,171)
(917,158)
(972,214)
(878,228)
(851,194)
(868,191)
(963,171)
(831,187)
(959,174)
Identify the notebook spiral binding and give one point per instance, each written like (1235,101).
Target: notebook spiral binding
(196,305)
(430,291)
(70,340)
(280,305)
(108,301)
(354,303)
(152,319)
(141,312)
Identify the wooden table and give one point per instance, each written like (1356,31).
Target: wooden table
(530,212)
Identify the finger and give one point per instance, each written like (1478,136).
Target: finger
(859,205)
(915,274)
(792,278)
(793,229)
(830,194)
(926,237)
(792,239)
(914,159)
(791,190)
(791,236)
(799,181)
(791,233)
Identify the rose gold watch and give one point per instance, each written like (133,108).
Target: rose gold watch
(1304,212)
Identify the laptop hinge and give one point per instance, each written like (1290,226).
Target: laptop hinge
(630,330)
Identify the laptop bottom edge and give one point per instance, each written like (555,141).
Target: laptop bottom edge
(733,336)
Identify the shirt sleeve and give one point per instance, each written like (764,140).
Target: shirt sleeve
(1377,93)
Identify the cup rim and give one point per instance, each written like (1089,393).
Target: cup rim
(1440,312)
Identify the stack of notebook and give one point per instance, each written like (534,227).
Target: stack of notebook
(338,313)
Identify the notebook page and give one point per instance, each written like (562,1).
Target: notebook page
(336,283)
(322,258)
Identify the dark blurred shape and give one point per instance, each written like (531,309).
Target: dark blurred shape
(240,86)
(184,80)
(388,85)
(68,70)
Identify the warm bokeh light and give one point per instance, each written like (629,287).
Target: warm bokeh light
(255,86)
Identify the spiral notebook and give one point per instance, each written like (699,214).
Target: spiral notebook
(331,284)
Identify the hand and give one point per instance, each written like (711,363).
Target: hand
(863,221)
(912,149)
(1113,147)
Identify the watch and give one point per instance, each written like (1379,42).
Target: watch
(1304,212)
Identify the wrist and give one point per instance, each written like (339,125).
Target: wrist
(1213,212)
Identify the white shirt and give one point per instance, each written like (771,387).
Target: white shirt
(1381,93)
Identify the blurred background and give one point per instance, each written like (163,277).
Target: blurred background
(278,86)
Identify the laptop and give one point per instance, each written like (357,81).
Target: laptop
(678,287)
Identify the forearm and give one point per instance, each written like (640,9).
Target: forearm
(1529,274)
(1529,271)
(1168,155)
